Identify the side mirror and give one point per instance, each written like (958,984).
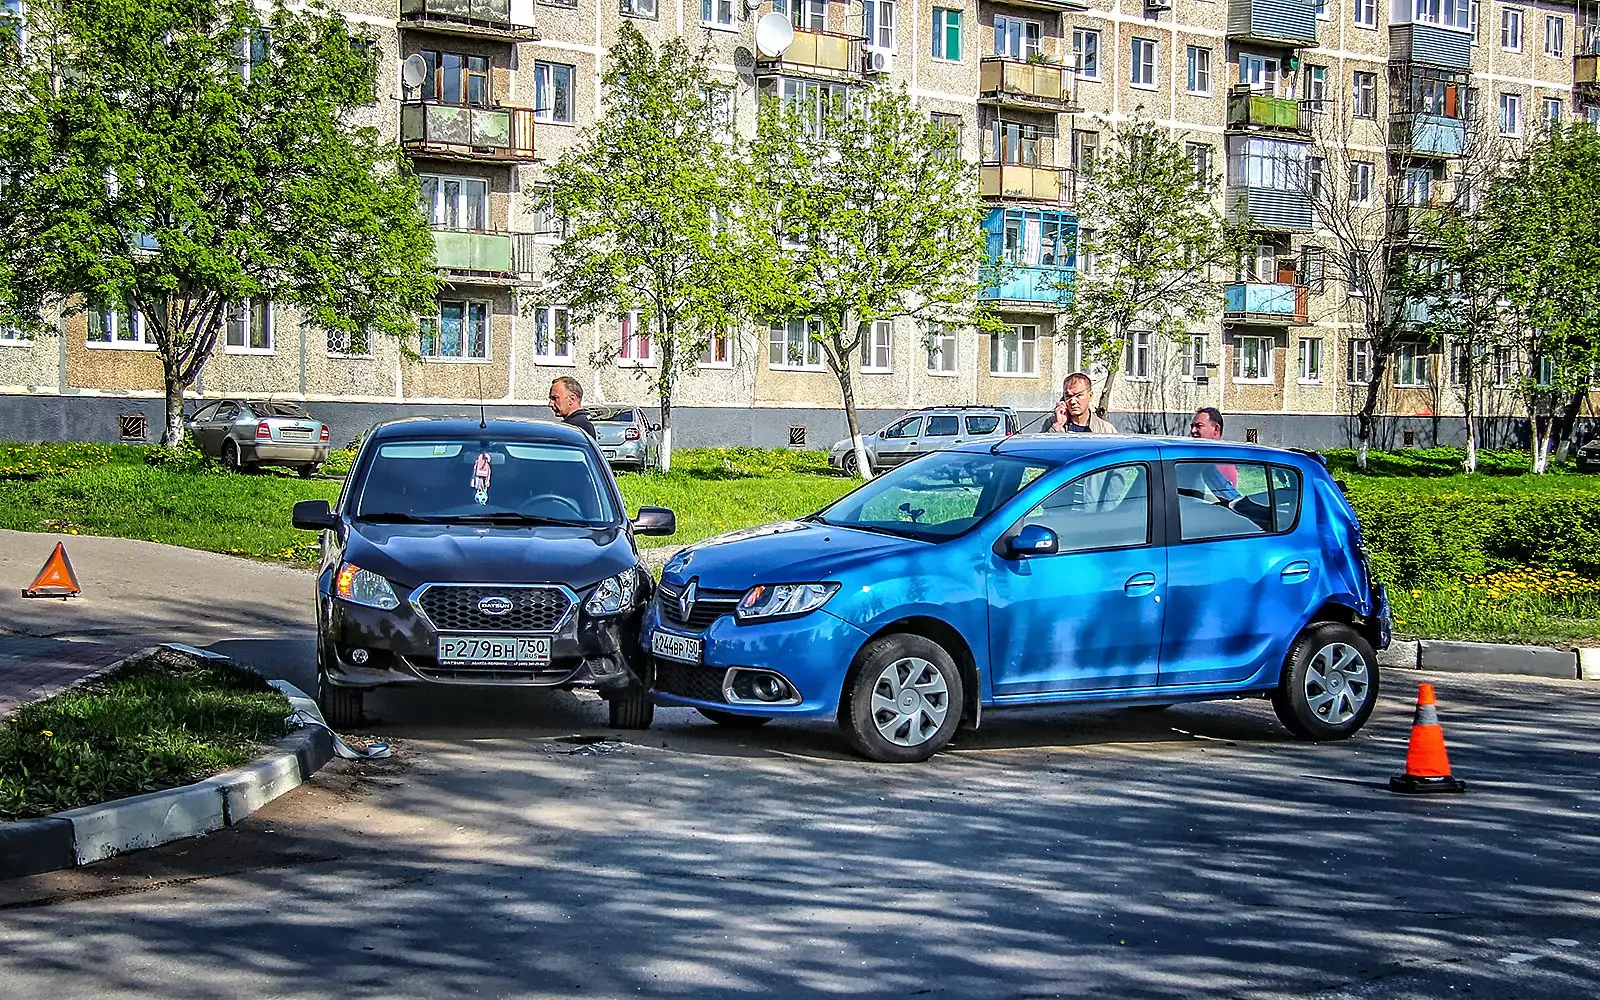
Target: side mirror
(314,515)
(655,521)
(1034,540)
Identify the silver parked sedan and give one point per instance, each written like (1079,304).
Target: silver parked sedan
(627,437)
(249,433)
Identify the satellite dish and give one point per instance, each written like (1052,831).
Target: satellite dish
(774,35)
(744,62)
(413,71)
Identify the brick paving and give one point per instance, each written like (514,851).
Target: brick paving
(32,667)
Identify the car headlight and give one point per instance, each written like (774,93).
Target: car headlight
(361,586)
(783,600)
(613,595)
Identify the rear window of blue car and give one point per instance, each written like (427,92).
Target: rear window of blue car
(444,479)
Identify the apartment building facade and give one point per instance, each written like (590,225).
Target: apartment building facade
(484,95)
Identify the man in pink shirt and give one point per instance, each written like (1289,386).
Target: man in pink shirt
(1207,423)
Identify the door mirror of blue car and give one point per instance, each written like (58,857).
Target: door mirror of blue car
(655,521)
(1034,540)
(314,515)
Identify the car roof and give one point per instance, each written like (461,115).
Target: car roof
(1065,447)
(517,428)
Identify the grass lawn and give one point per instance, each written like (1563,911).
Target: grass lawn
(159,722)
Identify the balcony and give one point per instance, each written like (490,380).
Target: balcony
(1428,135)
(1262,111)
(1275,209)
(1265,304)
(816,53)
(457,132)
(1273,22)
(501,20)
(1052,6)
(1430,45)
(1586,74)
(1043,288)
(1025,85)
(479,257)
(1026,182)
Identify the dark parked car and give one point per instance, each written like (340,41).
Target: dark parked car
(246,433)
(481,552)
(1588,456)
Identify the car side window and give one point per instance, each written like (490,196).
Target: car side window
(1235,500)
(1106,509)
(227,411)
(943,426)
(907,428)
(982,425)
(205,413)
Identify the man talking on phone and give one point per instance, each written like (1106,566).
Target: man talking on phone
(1074,411)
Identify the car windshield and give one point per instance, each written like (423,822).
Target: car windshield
(274,408)
(935,497)
(484,479)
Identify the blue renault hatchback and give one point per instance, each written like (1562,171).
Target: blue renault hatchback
(1040,570)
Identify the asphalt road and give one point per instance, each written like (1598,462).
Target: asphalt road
(517,848)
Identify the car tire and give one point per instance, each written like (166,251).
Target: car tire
(1330,683)
(849,464)
(733,721)
(341,706)
(310,471)
(633,710)
(917,727)
(231,457)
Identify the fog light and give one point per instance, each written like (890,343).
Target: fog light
(769,688)
(358,657)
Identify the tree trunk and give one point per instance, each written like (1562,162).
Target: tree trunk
(1567,422)
(847,390)
(1364,417)
(1102,406)
(172,435)
(664,384)
(1470,464)
(1540,428)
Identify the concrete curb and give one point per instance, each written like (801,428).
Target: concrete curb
(94,833)
(1492,658)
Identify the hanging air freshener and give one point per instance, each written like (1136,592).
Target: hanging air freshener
(480,478)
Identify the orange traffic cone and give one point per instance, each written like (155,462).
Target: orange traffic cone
(57,578)
(1427,764)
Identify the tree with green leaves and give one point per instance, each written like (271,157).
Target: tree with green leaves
(653,202)
(176,157)
(1159,247)
(878,218)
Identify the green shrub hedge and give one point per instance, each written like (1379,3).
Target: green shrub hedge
(1431,462)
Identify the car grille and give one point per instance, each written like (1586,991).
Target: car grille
(533,609)
(709,605)
(689,681)
(428,667)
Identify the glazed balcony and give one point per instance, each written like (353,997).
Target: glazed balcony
(1430,45)
(1265,303)
(1026,182)
(459,132)
(1428,135)
(1290,23)
(1263,111)
(500,20)
(1025,85)
(826,54)
(1586,73)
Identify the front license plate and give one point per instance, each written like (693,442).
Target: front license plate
(683,648)
(494,649)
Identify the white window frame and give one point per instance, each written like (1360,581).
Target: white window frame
(1553,109)
(436,205)
(1474,21)
(942,347)
(1142,72)
(1364,170)
(135,320)
(1358,363)
(634,349)
(548,227)
(1310,351)
(1364,13)
(548,320)
(1027,351)
(1264,350)
(718,15)
(1086,41)
(1558,35)
(1324,10)
(1028,33)
(1505,368)
(1195,353)
(466,314)
(708,357)
(805,15)
(941,33)
(1511,115)
(877,348)
(638,8)
(1198,79)
(805,345)
(1413,356)
(1511,29)
(247,327)
(1364,84)
(544,82)
(882,21)
(1136,356)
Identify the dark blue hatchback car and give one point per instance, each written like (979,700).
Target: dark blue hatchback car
(1041,570)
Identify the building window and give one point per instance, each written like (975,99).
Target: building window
(1252,359)
(810,99)
(1511,29)
(1314,269)
(807,15)
(453,78)
(1511,115)
(954,124)
(636,349)
(1194,355)
(717,352)
(460,332)
(1084,146)
(1419,186)
(1361,182)
(1015,37)
(1552,109)
(941,351)
(116,327)
(1317,88)
(1364,95)
(552,335)
(639,8)
(1260,74)
(1358,367)
(1203,156)
(1271,164)
(1473,21)
(1144,63)
(349,344)
(1555,36)
(1366,13)
(1199,78)
(1136,356)
(716,13)
(548,227)
(1410,365)
(880,22)
(1014,352)
(877,347)
(1311,360)
(1316,177)
(947,34)
(552,92)
(794,345)
(1505,369)
(455,202)
(718,104)
(249,327)
(1086,53)
(1323,13)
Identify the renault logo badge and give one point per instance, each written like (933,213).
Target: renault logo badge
(686,601)
(494,604)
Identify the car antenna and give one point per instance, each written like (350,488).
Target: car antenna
(482,421)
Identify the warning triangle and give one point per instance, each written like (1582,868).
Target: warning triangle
(57,578)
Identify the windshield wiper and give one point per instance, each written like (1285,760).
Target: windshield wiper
(396,517)
(512,517)
(880,530)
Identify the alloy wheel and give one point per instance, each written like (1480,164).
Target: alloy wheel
(1337,683)
(910,701)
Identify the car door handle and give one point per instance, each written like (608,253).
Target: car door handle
(1139,584)
(1296,571)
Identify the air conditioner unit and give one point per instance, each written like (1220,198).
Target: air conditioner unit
(876,63)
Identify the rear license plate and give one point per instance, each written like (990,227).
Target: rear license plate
(683,648)
(494,649)
(609,452)
(294,434)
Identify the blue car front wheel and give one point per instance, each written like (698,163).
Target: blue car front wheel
(903,699)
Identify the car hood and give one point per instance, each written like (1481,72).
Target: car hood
(786,552)
(414,554)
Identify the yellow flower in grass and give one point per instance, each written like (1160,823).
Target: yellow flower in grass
(47,734)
